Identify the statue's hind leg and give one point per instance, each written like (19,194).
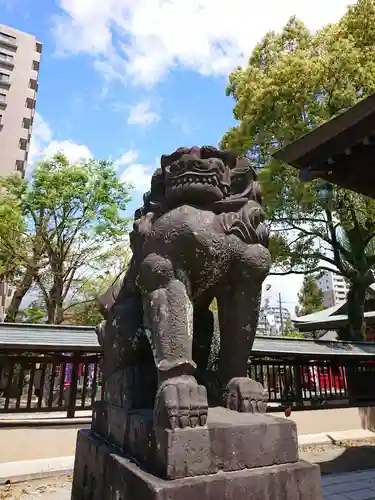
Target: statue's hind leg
(180,401)
(239,305)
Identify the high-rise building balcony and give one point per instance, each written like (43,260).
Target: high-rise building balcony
(6,60)
(5,80)
(8,40)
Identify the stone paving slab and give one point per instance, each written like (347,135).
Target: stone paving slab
(353,486)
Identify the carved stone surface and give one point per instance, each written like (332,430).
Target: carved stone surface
(230,441)
(199,236)
(101,473)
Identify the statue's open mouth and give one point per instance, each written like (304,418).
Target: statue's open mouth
(197,181)
(194,178)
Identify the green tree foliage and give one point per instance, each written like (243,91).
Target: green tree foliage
(310,297)
(295,81)
(11,228)
(71,215)
(290,331)
(34,313)
(84,307)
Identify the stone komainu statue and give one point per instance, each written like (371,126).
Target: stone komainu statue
(198,236)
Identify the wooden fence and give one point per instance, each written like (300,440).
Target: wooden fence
(51,382)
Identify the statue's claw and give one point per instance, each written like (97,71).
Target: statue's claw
(181,402)
(246,396)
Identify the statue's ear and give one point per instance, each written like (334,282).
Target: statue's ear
(245,164)
(166,160)
(230,157)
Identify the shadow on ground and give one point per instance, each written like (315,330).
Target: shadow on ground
(341,457)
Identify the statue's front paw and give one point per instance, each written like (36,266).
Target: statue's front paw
(245,395)
(180,402)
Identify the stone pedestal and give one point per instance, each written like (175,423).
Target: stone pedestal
(235,456)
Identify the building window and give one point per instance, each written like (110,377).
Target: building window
(30,103)
(33,84)
(38,47)
(35,65)
(26,123)
(8,37)
(8,40)
(3,97)
(4,78)
(6,57)
(23,144)
(20,166)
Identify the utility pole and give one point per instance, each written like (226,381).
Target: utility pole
(281,314)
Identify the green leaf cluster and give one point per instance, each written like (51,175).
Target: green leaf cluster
(295,81)
(310,297)
(59,227)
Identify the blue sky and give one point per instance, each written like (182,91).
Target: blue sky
(130,80)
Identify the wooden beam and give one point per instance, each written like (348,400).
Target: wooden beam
(355,171)
(344,130)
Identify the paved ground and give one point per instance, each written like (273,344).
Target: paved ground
(56,488)
(359,485)
(342,458)
(317,421)
(353,486)
(27,443)
(4,417)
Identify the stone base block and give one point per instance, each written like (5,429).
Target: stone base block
(133,387)
(102,474)
(231,441)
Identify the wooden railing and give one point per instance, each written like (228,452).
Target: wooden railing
(49,382)
(55,382)
(315,384)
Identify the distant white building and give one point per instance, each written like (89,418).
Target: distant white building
(334,288)
(6,294)
(271,319)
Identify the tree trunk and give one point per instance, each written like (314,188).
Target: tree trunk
(19,294)
(356,308)
(55,303)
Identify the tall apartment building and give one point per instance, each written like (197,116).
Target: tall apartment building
(334,288)
(19,68)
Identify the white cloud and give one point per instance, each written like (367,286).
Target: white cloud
(127,158)
(139,176)
(142,114)
(74,152)
(41,135)
(44,146)
(285,288)
(140,41)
